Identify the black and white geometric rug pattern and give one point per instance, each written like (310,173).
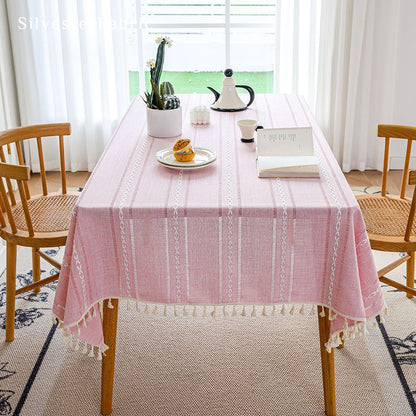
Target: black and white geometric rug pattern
(25,362)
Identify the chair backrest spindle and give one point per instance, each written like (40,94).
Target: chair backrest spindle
(62,159)
(405,169)
(22,162)
(8,181)
(42,166)
(8,208)
(385,166)
(25,207)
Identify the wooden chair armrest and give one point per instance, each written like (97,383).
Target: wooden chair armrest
(18,172)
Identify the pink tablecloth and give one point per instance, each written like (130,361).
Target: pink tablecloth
(218,237)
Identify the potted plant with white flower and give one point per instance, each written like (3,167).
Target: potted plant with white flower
(164,112)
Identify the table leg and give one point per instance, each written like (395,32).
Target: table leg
(107,368)
(327,360)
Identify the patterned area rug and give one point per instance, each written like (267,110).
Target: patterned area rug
(206,366)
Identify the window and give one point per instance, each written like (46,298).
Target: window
(271,45)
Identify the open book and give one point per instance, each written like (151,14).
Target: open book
(286,152)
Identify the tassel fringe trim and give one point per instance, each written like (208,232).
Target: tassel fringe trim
(358,328)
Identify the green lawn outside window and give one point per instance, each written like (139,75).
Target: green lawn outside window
(189,82)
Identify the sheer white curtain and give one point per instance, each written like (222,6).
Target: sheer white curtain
(9,113)
(70,66)
(356,77)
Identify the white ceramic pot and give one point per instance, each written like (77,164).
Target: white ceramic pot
(164,123)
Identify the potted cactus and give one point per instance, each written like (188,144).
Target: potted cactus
(164,112)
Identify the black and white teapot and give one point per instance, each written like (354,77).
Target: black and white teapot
(229,100)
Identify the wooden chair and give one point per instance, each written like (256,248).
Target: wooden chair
(389,218)
(31,221)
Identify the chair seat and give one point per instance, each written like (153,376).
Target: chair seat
(49,213)
(385,215)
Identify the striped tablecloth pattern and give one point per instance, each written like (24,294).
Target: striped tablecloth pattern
(219,238)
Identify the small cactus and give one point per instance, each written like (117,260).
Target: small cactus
(167,88)
(161,96)
(172,102)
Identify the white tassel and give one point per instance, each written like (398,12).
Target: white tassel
(155,310)
(234,311)
(244,311)
(165,311)
(71,342)
(224,311)
(253,313)
(322,313)
(194,314)
(382,319)
(77,345)
(302,310)
(137,306)
(386,311)
(345,328)
(91,354)
(175,312)
(78,330)
(292,310)
(94,313)
(313,310)
(128,306)
(274,310)
(65,337)
(185,312)
(89,317)
(205,311)
(110,305)
(146,309)
(214,311)
(85,349)
(282,311)
(84,324)
(264,313)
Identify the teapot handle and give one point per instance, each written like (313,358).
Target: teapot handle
(250,91)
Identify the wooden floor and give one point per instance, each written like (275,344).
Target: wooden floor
(373,178)
(354,178)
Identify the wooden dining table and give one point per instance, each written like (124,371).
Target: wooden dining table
(216,240)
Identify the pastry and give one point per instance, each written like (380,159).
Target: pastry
(183,151)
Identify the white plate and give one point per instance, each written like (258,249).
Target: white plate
(203,157)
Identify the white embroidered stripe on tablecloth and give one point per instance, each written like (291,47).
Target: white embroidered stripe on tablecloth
(220,255)
(278,184)
(121,215)
(334,196)
(239,260)
(178,192)
(167,258)
(133,250)
(81,275)
(273,259)
(186,258)
(292,258)
(230,248)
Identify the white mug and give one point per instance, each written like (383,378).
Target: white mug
(247,128)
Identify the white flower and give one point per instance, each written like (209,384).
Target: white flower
(151,63)
(167,40)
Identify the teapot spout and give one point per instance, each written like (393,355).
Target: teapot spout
(216,93)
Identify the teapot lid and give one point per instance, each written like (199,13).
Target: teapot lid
(228,80)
